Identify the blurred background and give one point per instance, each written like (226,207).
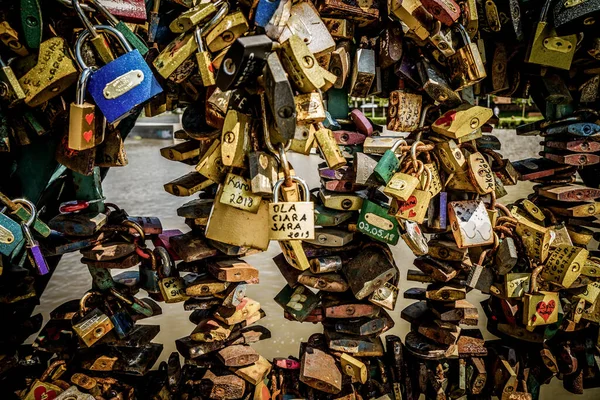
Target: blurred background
(138,188)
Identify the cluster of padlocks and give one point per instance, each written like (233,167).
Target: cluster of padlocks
(260,79)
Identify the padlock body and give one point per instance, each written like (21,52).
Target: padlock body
(82,126)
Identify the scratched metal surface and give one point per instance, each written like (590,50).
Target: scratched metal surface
(139,189)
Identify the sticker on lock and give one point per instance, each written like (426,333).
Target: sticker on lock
(123,84)
(378,221)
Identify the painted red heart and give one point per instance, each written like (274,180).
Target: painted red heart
(88,135)
(412,214)
(40,393)
(89,118)
(545,309)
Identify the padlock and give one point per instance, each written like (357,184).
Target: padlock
(82,117)
(226,31)
(11,235)
(571,17)
(298,301)
(319,370)
(171,287)
(461,121)
(111,17)
(235,139)
(404,111)
(301,65)
(547,47)
(237,227)
(369,270)
(118,87)
(302,16)
(10,38)
(281,98)
(564,265)
(445,11)
(98,41)
(389,163)
(194,16)
(375,222)
(92,326)
(329,148)
(481,174)
(435,84)
(414,15)
(309,108)
(402,184)
(471,225)
(291,220)
(363,72)
(237,193)
(415,207)
(54,72)
(465,66)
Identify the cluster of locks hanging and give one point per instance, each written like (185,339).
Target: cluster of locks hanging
(258,80)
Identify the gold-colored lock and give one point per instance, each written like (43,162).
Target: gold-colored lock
(540,308)
(309,108)
(481,174)
(412,13)
(466,66)
(192,17)
(303,139)
(451,158)
(301,65)
(517,284)
(237,192)
(230,28)
(415,207)
(404,111)
(462,120)
(54,72)
(211,163)
(238,227)
(354,368)
(402,184)
(564,265)
(175,54)
(235,139)
(536,239)
(329,148)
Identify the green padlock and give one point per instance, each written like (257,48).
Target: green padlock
(375,222)
(388,164)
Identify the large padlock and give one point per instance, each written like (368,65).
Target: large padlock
(54,72)
(465,66)
(121,85)
(11,235)
(546,47)
(91,326)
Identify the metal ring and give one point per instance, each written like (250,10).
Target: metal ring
(137,227)
(278,184)
(84,19)
(413,152)
(167,262)
(32,210)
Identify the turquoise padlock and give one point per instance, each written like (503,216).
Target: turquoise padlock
(388,164)
(11,235)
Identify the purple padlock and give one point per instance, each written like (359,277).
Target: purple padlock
(32,245)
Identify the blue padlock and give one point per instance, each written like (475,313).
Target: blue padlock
(265,11)
(121,85)
(11,235)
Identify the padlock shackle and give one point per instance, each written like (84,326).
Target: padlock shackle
(101,28)
(166,262)
(545,10)
(280,182)
(84,19)
(202,30)
(82,85)
(32,210)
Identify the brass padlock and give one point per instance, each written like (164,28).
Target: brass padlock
(235,141)
(291,220)
(465,66)
(471,225)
